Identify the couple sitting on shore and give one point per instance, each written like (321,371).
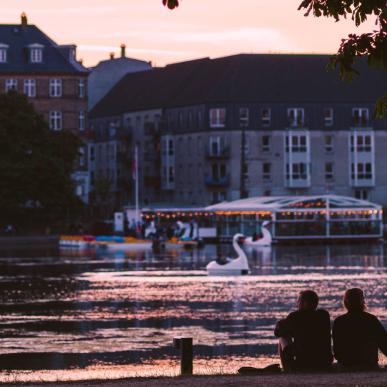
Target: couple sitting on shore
(305,335)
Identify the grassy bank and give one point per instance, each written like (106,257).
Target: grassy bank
(359,379)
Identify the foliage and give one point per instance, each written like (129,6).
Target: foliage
(36,163)
(372,45)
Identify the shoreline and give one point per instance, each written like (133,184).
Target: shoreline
(349,379)
(28,241)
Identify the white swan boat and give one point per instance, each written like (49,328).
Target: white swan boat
(266,239)
(231,266)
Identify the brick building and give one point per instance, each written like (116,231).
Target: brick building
(51,77)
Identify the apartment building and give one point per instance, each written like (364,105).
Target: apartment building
(252,125)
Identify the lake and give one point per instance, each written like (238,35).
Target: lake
(83,314)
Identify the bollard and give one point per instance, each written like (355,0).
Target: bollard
(184,344)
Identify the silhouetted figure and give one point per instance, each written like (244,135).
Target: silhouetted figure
(305,336)
(357,335)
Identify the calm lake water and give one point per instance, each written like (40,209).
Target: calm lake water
(72,315)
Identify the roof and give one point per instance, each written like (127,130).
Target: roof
(240,78)
(275,203)
(18,37)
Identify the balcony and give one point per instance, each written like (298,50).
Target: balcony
(222,153)
(302,181)
(214,182)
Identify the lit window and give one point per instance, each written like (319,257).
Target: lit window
(360,116)
(328,117)
(81,88)
(82,120)
(296,117)
(55,87)
(217,118)
(55,120)
(10,84)
(36,55)
(30,88)
(243,117)
(265,117)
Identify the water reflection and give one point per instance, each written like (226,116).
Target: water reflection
(69,308)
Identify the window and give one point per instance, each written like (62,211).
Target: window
(36,55)
(328,117)
(55,87)
(266,142)
(245,171)
(171,148)
(171,174)
(190,120)
(296,143)
(361,171)
(265,117)
(296,171)
(217,118)
(3,54)
(328,143)
(55,120)
(81,88)
(296,117)
(30,88)
(360,116)
(363,142)
(328,171)
(82,120)
(243,117)
(10,84)
(82,159)
(181,120)
(92,153)
(362,194)
(266,171)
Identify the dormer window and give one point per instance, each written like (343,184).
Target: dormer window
(36,53)
(3,53)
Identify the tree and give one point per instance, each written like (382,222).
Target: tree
(372,45)
(36,163)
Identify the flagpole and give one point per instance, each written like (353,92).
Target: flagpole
(136,183)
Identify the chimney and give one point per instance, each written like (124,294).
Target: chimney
(123,47)
(24,20)
(111,55)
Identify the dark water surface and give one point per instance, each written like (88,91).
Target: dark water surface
(85,312)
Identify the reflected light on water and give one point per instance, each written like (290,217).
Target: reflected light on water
(73,315)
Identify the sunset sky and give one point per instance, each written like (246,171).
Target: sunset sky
(197,28)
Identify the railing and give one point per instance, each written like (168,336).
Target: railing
(222,181)
(222,153)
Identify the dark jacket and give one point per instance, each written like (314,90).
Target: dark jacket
(357,336)
(311,334)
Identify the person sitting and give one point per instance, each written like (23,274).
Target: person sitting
(357,335)
(305,336)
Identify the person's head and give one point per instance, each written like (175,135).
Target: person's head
(354,300)
(307,300)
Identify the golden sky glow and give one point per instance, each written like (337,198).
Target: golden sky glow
(198,28)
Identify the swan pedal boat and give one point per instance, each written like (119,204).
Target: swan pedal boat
(266,239)
(231,266)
